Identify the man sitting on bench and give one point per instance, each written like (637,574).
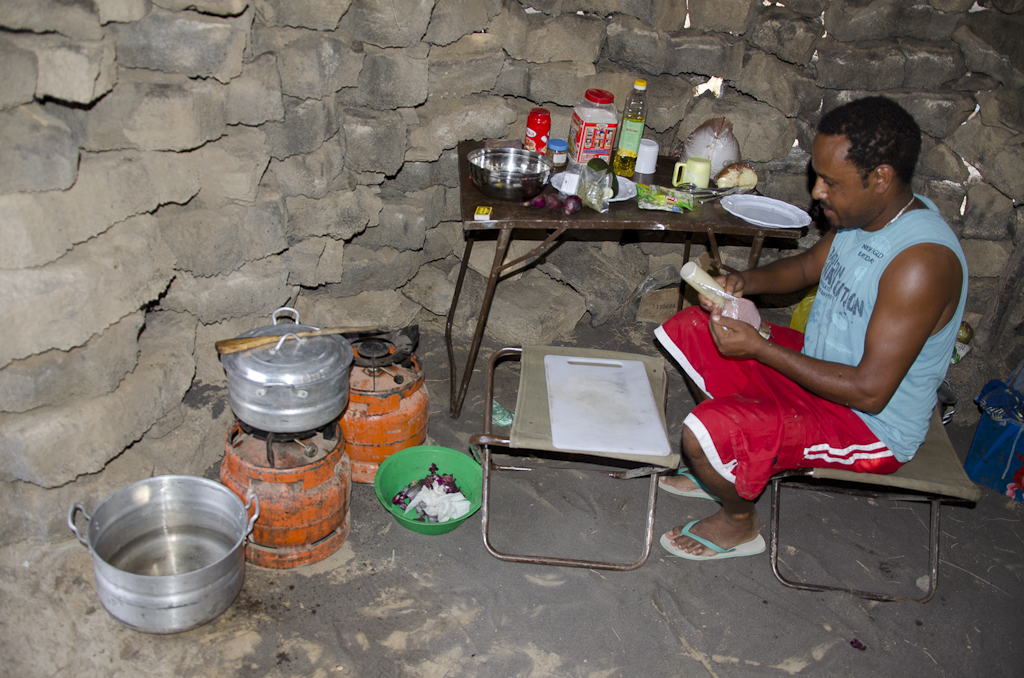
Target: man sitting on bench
(857,390)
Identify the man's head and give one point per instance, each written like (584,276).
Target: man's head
(880,131)
(864,155)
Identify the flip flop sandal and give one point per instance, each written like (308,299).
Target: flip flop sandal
(750,548)
(701,492)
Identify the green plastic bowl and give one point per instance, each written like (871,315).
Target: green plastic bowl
(412,464)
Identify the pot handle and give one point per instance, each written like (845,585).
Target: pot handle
(75,508)
(253,499)
(285,309)
(282,340)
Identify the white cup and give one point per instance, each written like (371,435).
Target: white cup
(647,156)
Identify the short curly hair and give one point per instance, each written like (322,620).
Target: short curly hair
(881,132)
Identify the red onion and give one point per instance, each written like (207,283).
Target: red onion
(572,204)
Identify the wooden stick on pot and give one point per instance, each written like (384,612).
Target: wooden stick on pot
(225,346)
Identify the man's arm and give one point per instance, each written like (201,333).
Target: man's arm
(917,295)
(790,274)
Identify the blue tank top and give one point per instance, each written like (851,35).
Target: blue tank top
(838,321)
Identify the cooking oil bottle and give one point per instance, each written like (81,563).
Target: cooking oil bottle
(634,113)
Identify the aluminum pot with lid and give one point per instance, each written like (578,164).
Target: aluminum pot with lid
(298,384)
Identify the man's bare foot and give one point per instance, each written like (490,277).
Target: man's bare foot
(721,529)
(681,483)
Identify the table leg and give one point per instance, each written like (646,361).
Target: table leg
(500,249)
(755,251)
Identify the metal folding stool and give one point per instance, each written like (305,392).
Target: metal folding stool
(531,430)
(935,475)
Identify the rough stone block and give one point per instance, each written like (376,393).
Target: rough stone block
(631,44)
(948,196)
(446,123)
(930,64)
(122,11)
(18,76)
(763,132)
(989,215)
(320,15)
(565,84)
(951,5)
(96,284)
(668,100)
(210,241)
(372,308)
(215,7)
(231,167)
(445,240)
(992,45)
(415,176)
(312,174)
(938,113)
(514,79)
(374,140)
(92,369)
(315,64)
(860,20)
(726,16)
(404,222)
(1002,107)
(315,261)
(460,69)
(450,20)
(254,97)
(481,259)
(808,8)
(52,446)
(192,44)
(175,114)
(786,34)
(390,79)
(307,124)
(987,149)
(255,289)
(339,214)
(534,310)
(78,20)
(869,65)
(986,258)
(383,269)
(37,228)
(790,89)
(623,268)
(432,290)
(541,39)
(38,150)
(78,71)
(940,162)
(385,24)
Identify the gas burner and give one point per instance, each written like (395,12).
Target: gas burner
(288,450)
(386,349)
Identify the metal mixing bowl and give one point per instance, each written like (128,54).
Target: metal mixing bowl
(509,173)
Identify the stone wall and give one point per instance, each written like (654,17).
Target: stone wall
(174,170)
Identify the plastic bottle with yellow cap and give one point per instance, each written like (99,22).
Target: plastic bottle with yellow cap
(634,114)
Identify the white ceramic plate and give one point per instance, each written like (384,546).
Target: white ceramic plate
(767,212)
(627,189)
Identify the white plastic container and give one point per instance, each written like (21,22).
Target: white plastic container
(593,127)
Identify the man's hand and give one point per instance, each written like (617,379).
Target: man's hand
(735,338)
(732,284)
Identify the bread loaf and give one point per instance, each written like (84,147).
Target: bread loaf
(737,174)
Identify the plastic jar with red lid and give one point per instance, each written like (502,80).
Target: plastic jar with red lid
(593,126)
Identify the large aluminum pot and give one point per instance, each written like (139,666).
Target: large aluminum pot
(297,384)
(168,552)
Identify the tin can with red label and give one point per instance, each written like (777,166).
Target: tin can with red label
(538,125)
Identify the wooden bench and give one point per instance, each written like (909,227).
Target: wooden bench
(934,475)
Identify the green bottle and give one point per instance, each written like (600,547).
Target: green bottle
(634,113)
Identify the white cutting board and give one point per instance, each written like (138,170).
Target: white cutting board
(602,405)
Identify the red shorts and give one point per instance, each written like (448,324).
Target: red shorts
(758,422)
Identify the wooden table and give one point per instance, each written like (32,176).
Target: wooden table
(508,216)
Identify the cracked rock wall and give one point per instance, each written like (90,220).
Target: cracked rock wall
(171,171)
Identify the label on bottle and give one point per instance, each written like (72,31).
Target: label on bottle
(630,135)
(591,140)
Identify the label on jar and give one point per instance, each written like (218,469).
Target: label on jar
(589,140)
